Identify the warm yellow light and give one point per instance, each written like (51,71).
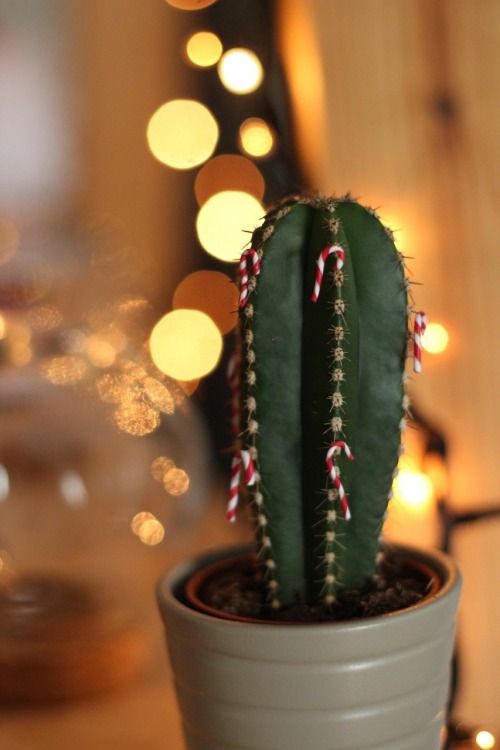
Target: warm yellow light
(63,370)
(100,352)
(213,293)
(185,344)
(176,481)
(435,340)
(182,133)
(3,326)
(190,4)
(256,137)
(228,172)
(204,49)
(139,519)
(240,70)
(136,418)
(485,740)
(221,221)
(160,466)
(151,532)
(413,489)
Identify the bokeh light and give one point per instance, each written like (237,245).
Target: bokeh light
(151,532)
(213,293)
(204,49)
(256,137)
(240,70)
(185,344)
(159,395)
(136,418)
(148,528)
(485,740)
(190,4)
(139,519)
(43,318)
(4,483)
(182,133)
(63,369)
(221,221)
(436,338)
(160,466)
(413,489)
(100,352)
(176,481)
(228,172)
(9,240)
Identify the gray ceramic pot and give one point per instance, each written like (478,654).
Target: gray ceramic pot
(375,684)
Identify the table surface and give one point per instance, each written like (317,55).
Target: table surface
(138,716)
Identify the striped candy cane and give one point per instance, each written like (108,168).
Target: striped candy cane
(233,379)
(334,449)
(336,250)
(253,255)
(419,328)
(241,457)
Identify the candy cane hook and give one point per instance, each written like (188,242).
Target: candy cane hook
(253,255)
(336,250)
(333,450)
(419,329)
(241,457)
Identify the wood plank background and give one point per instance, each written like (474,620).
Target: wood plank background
(406,107)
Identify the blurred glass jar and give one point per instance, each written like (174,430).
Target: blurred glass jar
(102,481)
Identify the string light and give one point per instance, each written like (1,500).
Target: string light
(240,71)
(228,172)
(485,740)
(190,4)
(256,137)
(213,293)
(204,49)
(220,221)
(185,344)
(436,338)
(182,133)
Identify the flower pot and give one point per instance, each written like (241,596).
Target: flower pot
(375,684)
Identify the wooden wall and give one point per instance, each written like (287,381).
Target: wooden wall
(407,112)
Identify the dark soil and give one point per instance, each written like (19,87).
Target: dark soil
(239,592)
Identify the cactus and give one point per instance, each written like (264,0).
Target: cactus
(324,336)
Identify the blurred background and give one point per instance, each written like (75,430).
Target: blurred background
(137,139)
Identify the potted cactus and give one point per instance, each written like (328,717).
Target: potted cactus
(324,323)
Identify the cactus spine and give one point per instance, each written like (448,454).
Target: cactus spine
(322,379)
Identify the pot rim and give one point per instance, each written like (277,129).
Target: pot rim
(171,589)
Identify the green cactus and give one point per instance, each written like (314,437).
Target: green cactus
(316,373)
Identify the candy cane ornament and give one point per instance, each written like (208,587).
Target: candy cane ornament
(333,450)
(241,457)
(336,250)
(251,254)
(419,329)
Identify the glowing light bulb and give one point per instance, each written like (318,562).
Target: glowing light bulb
(436,338)
(485,740)
(413,489)
(204,49)
(228,172)
(256,137)
(213,293)
(190,4)
(185,344)
(182,133)
(220,221)
(240,70)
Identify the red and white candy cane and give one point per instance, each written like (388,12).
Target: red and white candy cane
(419,328)
(336,250)
(333,450)
(254,257)
(241,457)
(233,379)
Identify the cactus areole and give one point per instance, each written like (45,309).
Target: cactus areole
(324,337)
